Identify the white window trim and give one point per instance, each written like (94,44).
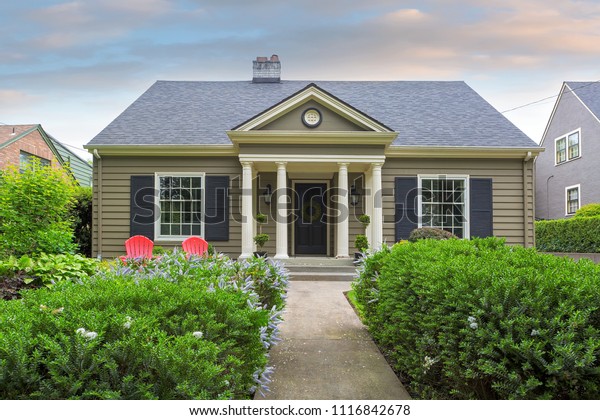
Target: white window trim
(157,235)
(566,137)
(420,177)
(572,187)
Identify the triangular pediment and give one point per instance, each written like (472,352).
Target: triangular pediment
(313,109)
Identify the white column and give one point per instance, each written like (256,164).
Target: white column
(377,216)
(281,240)
(343,223)
(247,217)
(369,202)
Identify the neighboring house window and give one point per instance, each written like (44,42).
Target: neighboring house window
(26,159)
(568,147)
(573,199)
(181,204)
(573,148)
(443,203)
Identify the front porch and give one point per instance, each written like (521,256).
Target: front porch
(312,203)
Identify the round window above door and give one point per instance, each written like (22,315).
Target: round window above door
(311,117)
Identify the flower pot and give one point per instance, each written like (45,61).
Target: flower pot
(262,254)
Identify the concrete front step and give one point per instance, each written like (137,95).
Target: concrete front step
(323,276)
(320,269)
(318,262)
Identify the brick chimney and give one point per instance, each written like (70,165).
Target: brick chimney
(266,70)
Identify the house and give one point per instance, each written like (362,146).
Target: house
(80,168)
(203,158)
(567,174)
(19,144)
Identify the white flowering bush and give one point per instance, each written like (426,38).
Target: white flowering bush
(482,320)
(174,329)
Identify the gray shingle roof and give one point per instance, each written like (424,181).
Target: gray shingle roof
(423,113)
(589,93)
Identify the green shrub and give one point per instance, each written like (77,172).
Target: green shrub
(478,319)
(34,210)
(261,239)
(267,279)
(589,210)
(361,243)
(364,219)
(137,333)
(81,214)
(365,286)
(579,234)
(46,270)
(429,233)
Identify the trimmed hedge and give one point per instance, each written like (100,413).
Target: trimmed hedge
(176,328)
(578,234)
(429,233)
(589,210)
(481,320)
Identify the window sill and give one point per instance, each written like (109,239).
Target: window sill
(567,161)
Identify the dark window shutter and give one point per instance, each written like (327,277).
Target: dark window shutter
(481,215)
(405,196)
(216,208)
(142,206)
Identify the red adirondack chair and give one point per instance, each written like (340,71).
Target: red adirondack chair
(195,246)
(138,247)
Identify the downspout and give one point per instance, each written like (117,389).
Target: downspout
(526,201)
(99,203)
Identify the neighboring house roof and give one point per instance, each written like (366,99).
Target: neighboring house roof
(589,94)
(423,113)
(11,133)
(82,170)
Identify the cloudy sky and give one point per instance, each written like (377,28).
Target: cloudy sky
(73,66)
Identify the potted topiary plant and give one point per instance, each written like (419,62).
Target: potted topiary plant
(261,238)
(362,244)
(365,219)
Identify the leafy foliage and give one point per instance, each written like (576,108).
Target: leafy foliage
(34,210)
(589,210)
(579,234)
(261,239)
(429,233)
(81,214)
(46,270)
(361,243)
(364,219)
(175,328)
(478,319)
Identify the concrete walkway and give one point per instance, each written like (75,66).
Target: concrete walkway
(326,352)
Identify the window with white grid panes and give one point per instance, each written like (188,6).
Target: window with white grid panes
(180,200)
(561,150)
(443,204)
(568,147)
(573,149)
(572,199)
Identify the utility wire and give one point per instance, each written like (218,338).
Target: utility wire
(545,99)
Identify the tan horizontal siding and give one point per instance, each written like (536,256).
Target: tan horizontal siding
(507,180)
(116,174)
